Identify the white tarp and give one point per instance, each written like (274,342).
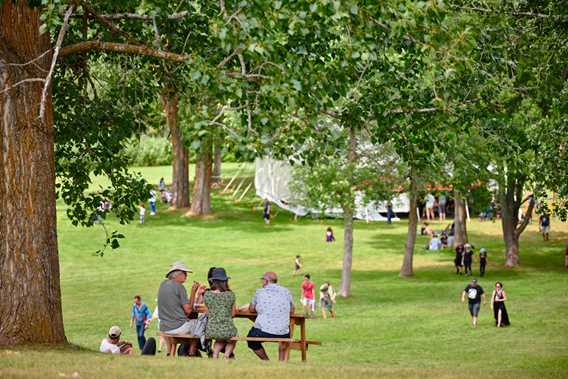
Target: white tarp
(272,178)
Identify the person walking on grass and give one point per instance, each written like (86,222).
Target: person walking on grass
(474,293)
(273,305)
(142,213)
(140,316)
(458,260)
(430,201)
(297,265)
(220,303)
(467,258)
(152,203)
(498,298)
(327,300)
(544,224)
(482,261)
(308,296)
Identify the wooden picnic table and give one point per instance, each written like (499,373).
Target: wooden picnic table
(293,344)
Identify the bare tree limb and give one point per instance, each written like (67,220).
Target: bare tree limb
(122,48)
(33,61)
(60,37)
(29,80)
(244,74)
(229,57)
(104,21)
(521,228)
(140,17)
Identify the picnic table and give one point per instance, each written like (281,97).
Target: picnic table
(292,343)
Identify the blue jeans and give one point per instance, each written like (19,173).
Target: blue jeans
(153,206)
(140,334)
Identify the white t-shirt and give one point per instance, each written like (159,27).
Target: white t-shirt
(142,211)
(107,347)
(430,200)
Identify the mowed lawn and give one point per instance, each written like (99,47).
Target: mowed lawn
(390,327)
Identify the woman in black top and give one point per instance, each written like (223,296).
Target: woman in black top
(458,261)
(482,261)
(498,299)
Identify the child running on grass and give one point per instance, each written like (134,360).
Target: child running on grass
(220,303)
(329,237)
(297,265)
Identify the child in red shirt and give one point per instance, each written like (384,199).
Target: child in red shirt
(308,296)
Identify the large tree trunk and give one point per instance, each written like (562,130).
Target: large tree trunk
(217,160)
(201,204)
(407,268)
(345,290)
(30,296)
(460,219)
(180,159)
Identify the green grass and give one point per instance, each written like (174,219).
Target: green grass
(390,327)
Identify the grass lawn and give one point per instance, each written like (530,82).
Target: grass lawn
(390,327)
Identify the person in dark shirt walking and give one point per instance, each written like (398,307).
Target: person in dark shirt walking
(474,293)
(458,260)
(544,223)
(482,261)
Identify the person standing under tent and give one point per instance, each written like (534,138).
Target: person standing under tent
(430,201)
(442,207)
(390,213)
(474,294)
(266,211)
(152,203)
(308,296)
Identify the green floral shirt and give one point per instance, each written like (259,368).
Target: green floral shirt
(220,324)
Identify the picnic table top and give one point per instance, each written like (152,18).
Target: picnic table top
(245,313)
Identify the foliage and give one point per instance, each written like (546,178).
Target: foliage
(149,151)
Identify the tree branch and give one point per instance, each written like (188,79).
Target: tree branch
(521,228)
(122,48)
(140,17)
(513,13)
(29,80)
(60,37)
(104,21)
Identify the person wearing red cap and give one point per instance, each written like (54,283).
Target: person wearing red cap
(273,305)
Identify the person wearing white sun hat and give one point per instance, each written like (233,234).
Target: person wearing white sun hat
(175,306)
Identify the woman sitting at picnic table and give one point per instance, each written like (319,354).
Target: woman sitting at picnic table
(220,303)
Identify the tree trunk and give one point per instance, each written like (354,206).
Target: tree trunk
(201,204)
(460,220)
(180,159)
(217,161)
(345,290)
(407,263)
(30,296)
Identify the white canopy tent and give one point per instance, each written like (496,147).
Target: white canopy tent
(272,179)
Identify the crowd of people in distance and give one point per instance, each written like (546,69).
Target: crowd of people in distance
(208,312)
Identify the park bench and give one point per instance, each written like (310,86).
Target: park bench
(292,343)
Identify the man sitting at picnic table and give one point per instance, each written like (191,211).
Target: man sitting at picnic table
(273,305)
(175,307)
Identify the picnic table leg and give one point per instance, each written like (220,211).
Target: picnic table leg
(303,339)
(289,345)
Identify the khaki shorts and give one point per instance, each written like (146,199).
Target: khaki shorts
(191,327)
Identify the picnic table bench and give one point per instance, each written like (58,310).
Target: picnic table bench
(292,344)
